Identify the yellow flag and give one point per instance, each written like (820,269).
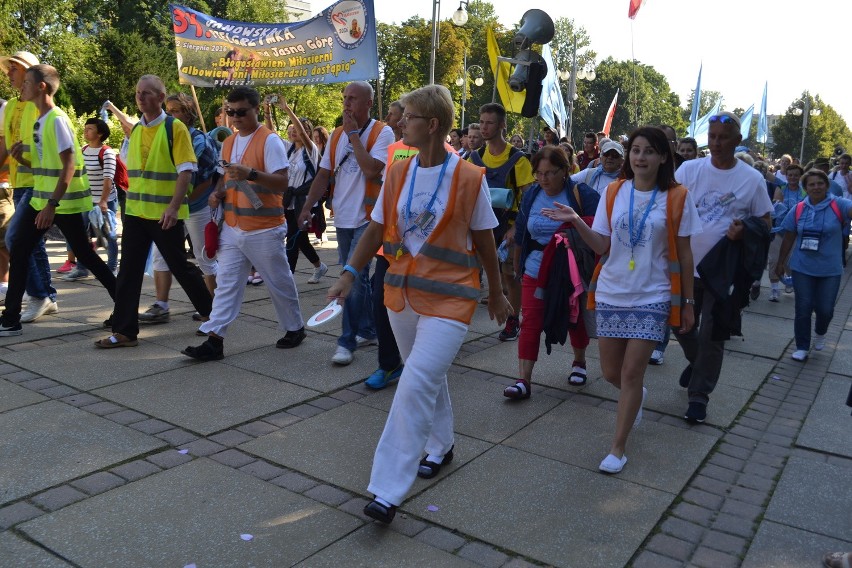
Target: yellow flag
(512,101)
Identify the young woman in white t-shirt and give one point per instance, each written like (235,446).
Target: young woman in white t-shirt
(634,291)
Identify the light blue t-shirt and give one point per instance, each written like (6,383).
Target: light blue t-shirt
(819,221)
(541,228)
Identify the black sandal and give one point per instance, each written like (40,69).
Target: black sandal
(291,339)
(382,513)
(518,391)
(428,469)
(577,379)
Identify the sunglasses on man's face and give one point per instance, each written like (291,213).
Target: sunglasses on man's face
(723,119)
(240,112)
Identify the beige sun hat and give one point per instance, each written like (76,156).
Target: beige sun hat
(23,58)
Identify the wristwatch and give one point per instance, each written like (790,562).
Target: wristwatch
(689,301)
(54,202)
(252,175)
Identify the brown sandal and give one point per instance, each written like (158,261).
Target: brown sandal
(116,340)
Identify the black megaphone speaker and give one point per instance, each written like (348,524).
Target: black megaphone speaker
(536,27)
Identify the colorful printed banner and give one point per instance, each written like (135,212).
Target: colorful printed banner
(336,46)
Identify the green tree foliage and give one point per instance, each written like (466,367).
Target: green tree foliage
(824,131)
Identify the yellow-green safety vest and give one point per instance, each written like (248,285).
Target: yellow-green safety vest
(19,174)
(152,188)
(46,172)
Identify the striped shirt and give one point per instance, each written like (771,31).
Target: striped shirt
(97,173)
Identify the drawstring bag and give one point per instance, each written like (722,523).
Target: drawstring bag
(211,237)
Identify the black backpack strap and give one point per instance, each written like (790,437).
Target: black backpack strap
(309,165)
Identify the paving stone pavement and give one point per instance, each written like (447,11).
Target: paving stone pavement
(141,457)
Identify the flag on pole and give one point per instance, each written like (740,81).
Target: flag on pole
(696,104)
(634,8)
(512,101)
(762,129)
(702,128)
(745,122)
(552,105)
(609,114)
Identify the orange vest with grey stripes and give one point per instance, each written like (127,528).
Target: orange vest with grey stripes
(675,198)
(238,207)
(372,186)
(443,279)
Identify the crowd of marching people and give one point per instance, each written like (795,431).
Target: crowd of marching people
(632,240)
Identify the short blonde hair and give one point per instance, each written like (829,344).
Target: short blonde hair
(433,101)
(155,82)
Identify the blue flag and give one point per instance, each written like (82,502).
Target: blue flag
(745,122)
(696,104)
(762,129)
(552,105)
(702,127)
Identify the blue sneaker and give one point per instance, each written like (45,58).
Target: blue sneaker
(380,378)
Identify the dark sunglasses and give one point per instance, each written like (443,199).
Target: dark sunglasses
(241,112)
(724,119)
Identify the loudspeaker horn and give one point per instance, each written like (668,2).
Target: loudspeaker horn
(536,27)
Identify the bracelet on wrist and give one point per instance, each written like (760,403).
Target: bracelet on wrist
(689,301)
(351,132)
(350,269)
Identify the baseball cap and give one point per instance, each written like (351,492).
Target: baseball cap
(23,58)
(612,145)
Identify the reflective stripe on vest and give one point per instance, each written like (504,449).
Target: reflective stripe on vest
(156,176)
(432,286)
(48,168)
(66,197)
(148,198)
(238,207)
(451,256)
(152,186)
(56,172)
(252,212)
(255,186)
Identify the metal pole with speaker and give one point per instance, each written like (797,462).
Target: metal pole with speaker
(530,68)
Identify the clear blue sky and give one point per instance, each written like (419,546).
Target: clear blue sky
(743,43)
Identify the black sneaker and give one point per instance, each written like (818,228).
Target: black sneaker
(511,331)
(696,413)
(9,330)
(685,377)
(207,351)
(291,339)
(754,293)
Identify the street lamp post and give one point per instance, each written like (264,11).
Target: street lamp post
(573,75)
(808,111)
(459,19)
(462,82)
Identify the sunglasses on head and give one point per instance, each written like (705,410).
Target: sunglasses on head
(241,112)
(724,119)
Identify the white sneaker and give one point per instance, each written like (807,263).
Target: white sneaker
(37,308)
(774,295)
(800,355)
(342,356)
(819,342)
(319,272)
(639,414)
(363,341)
(656,357)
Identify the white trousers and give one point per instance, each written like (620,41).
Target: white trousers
(238,251)
(194,226)
(421,416)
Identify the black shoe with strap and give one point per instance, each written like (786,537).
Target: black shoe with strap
(382,513)
(291,339)
(429,469)
(207,351)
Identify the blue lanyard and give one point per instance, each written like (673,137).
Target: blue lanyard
(411,192)
(634,237)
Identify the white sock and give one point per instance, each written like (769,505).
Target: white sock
(435,459)
(4,286)
(382,502)
(162,304)
(776,286)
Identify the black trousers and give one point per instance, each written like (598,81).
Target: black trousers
(24,240)
(389,358)
(296,243)
(135,243)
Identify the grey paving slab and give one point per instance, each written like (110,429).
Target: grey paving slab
(827,426)
(16,552)
(337,446)
(480,409)
(206,397)
(738,370)
(553,512)
(780,546)
(45,328)
(813,496)
(53,442)
(86,367)
(373,545)
(241,336)
(841,363)
(13,396)
(660,456)
(762,335)
(308,365)
(194,513)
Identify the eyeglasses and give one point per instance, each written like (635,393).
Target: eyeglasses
(408,116)
(36,137)
(724,119)
(545,174)
(240,112)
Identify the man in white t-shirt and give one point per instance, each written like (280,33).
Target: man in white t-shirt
(841,174)
(612,158)
(726,191)
(359,150)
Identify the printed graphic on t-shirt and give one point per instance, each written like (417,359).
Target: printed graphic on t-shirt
(621,227)
(419,217)
(713,205)
(351,165)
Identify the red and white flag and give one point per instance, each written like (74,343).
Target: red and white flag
(609,114)
(634,8)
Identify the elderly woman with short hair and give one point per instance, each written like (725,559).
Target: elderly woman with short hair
(433,220)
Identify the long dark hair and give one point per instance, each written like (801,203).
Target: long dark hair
(660,143)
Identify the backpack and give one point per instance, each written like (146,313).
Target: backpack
(207,159)
(120,179)
(800,207)
(503,175)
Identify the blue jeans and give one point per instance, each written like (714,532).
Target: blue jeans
(814,294)
(111,244)
(38,273)
(358,307)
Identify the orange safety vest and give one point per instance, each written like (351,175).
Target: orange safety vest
(675,197)
(238,207)
(443,279)
(371,191)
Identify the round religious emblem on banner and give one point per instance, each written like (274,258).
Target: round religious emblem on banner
(349,21)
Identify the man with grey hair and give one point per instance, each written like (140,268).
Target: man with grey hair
(353,161)
(728,193)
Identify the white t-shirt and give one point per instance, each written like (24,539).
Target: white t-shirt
(298,171)
(425,184)
(721,197)
(62,131)
(350,183)
(597,178)
(841,181)
(648,282)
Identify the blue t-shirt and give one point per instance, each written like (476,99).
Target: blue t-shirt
(541,228)
(819,221)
